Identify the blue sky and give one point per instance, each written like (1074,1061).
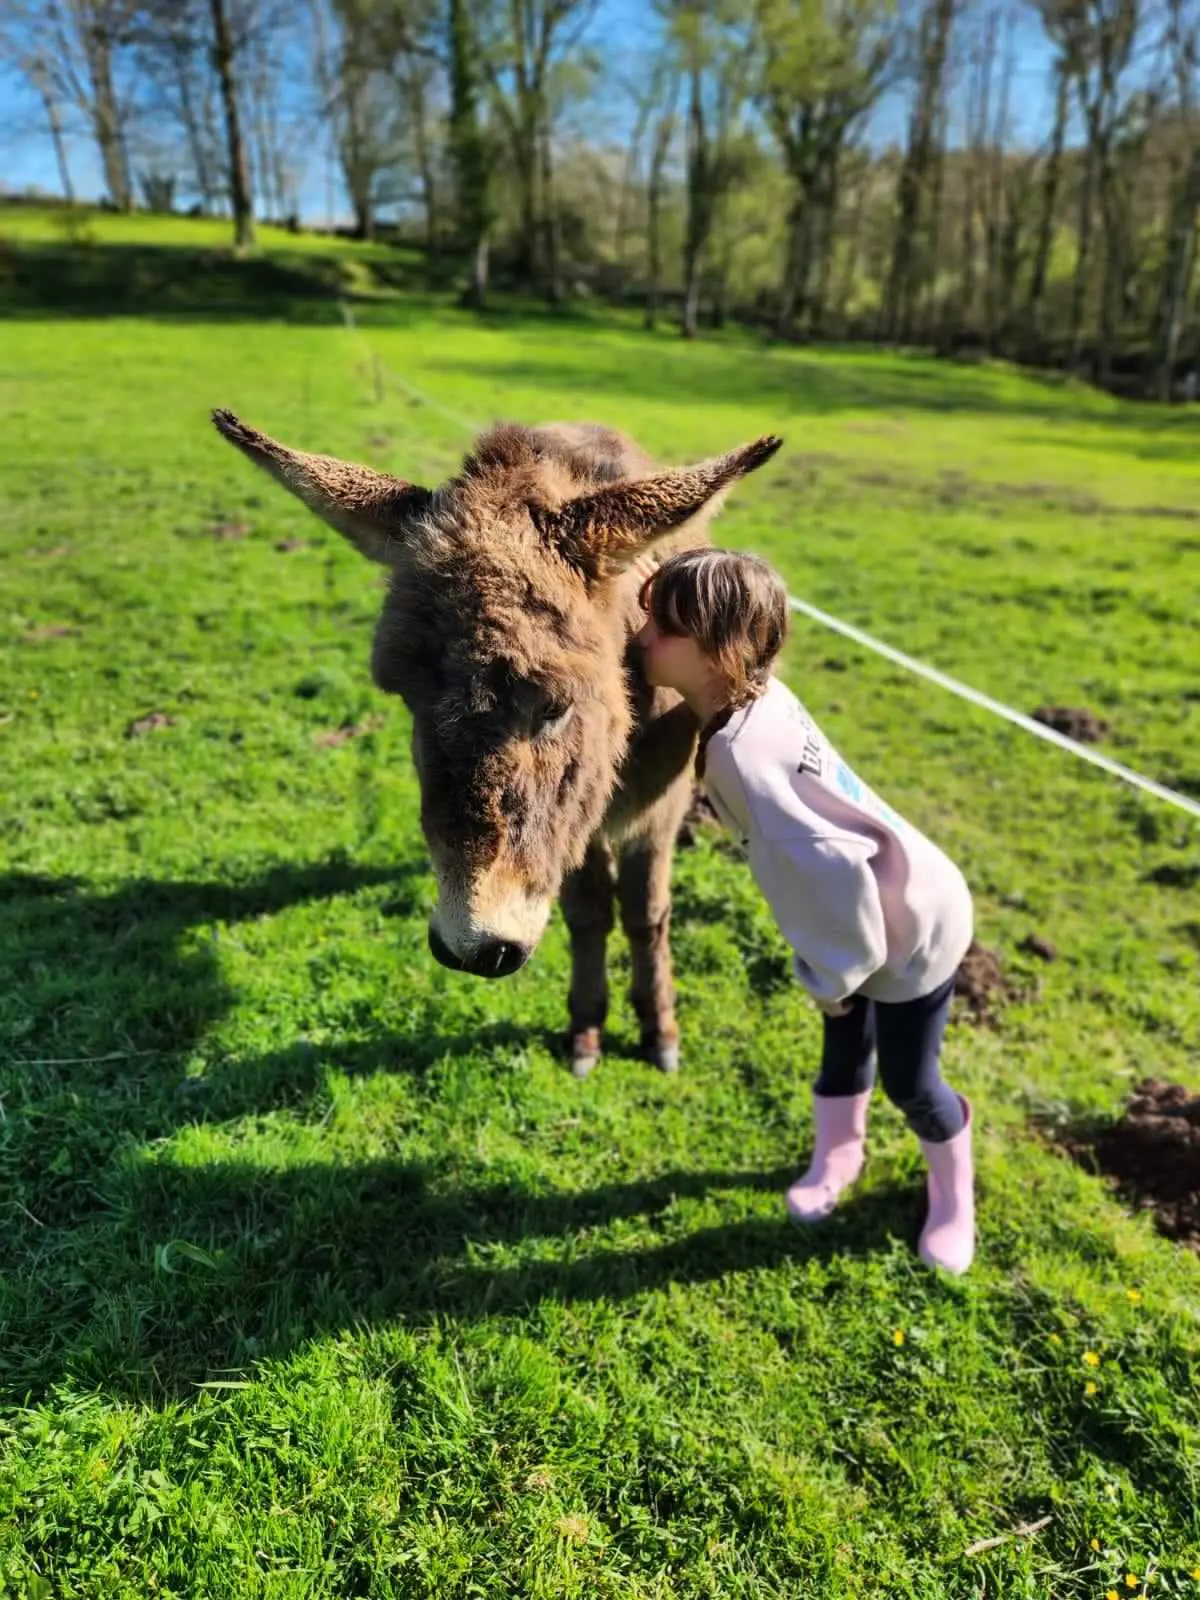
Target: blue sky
(27,157)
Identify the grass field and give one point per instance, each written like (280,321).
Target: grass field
(319,1275)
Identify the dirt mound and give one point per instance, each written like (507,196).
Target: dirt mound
(1153,1154)
(150,723)
(330,738)
(980,981)
(1076,722)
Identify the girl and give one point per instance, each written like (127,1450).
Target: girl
(877,917)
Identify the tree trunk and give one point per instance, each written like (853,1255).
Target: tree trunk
(654,252)
(54,122)
(663,134)
(1083,258)
(973,164)
(720,288)
(419,111)
(629,180)
(689,324)
(239,188)
(551,223)
(467,152)
(1115,254)
(925,290)
(1050,183)
(193,135)
(1177,275)
(996,188)
(698,207)
(1011,256)
(899,294)
(978,189)
(106,121)
(272,143)
(528,240)
(827,237)
(364,215)
(262,170)
(795,268)
(477,291)
(853,245)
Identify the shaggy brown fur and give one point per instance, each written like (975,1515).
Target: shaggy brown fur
(539,746)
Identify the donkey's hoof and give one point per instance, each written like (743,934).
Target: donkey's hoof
(665,1056)
(585,1049)
(583,1065)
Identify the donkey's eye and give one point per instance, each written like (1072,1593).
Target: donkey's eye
(551,717)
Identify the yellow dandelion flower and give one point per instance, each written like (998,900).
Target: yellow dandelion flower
(1090,1358)
(898,1336)
(1131,1580)
(1196,1574)
(1094,1544)
(1090,1389)
(1112,1595)
(1134,1296)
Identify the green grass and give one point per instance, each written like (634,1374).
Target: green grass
(320,1276)
(60,260)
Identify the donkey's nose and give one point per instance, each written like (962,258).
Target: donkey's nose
(498,958)
(494,959)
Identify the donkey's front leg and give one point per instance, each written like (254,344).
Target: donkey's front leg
(587,902)
(644,892)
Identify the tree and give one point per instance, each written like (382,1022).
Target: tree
(823,69)
(224,65)
(42,80)
(1179,257)
(174,58)
(76,52)
(1051,181)
(903,285)
(373,60)
(960,311)
(1097,38)
(660,147)
(530,44)
(714,51)
(352,98)
(416,75)
(469,151)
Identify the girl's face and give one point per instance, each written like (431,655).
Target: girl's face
(676,661)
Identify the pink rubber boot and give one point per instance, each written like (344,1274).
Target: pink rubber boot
(837,1158)
(948,1237)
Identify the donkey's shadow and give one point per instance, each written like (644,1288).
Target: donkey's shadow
(203,1271)
(123,1269)
(103,995)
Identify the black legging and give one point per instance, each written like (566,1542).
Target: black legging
(907,1037)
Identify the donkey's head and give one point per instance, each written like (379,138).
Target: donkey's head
(504,630)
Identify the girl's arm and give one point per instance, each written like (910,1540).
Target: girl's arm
(826,902)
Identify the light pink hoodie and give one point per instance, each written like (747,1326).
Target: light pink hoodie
(868,903)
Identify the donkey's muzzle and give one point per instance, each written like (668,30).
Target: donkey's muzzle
(495,958)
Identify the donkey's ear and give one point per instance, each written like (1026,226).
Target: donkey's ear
(602,532)
(372,509)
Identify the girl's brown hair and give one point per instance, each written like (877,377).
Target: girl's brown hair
(734,606)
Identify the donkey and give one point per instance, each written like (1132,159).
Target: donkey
(548,767)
